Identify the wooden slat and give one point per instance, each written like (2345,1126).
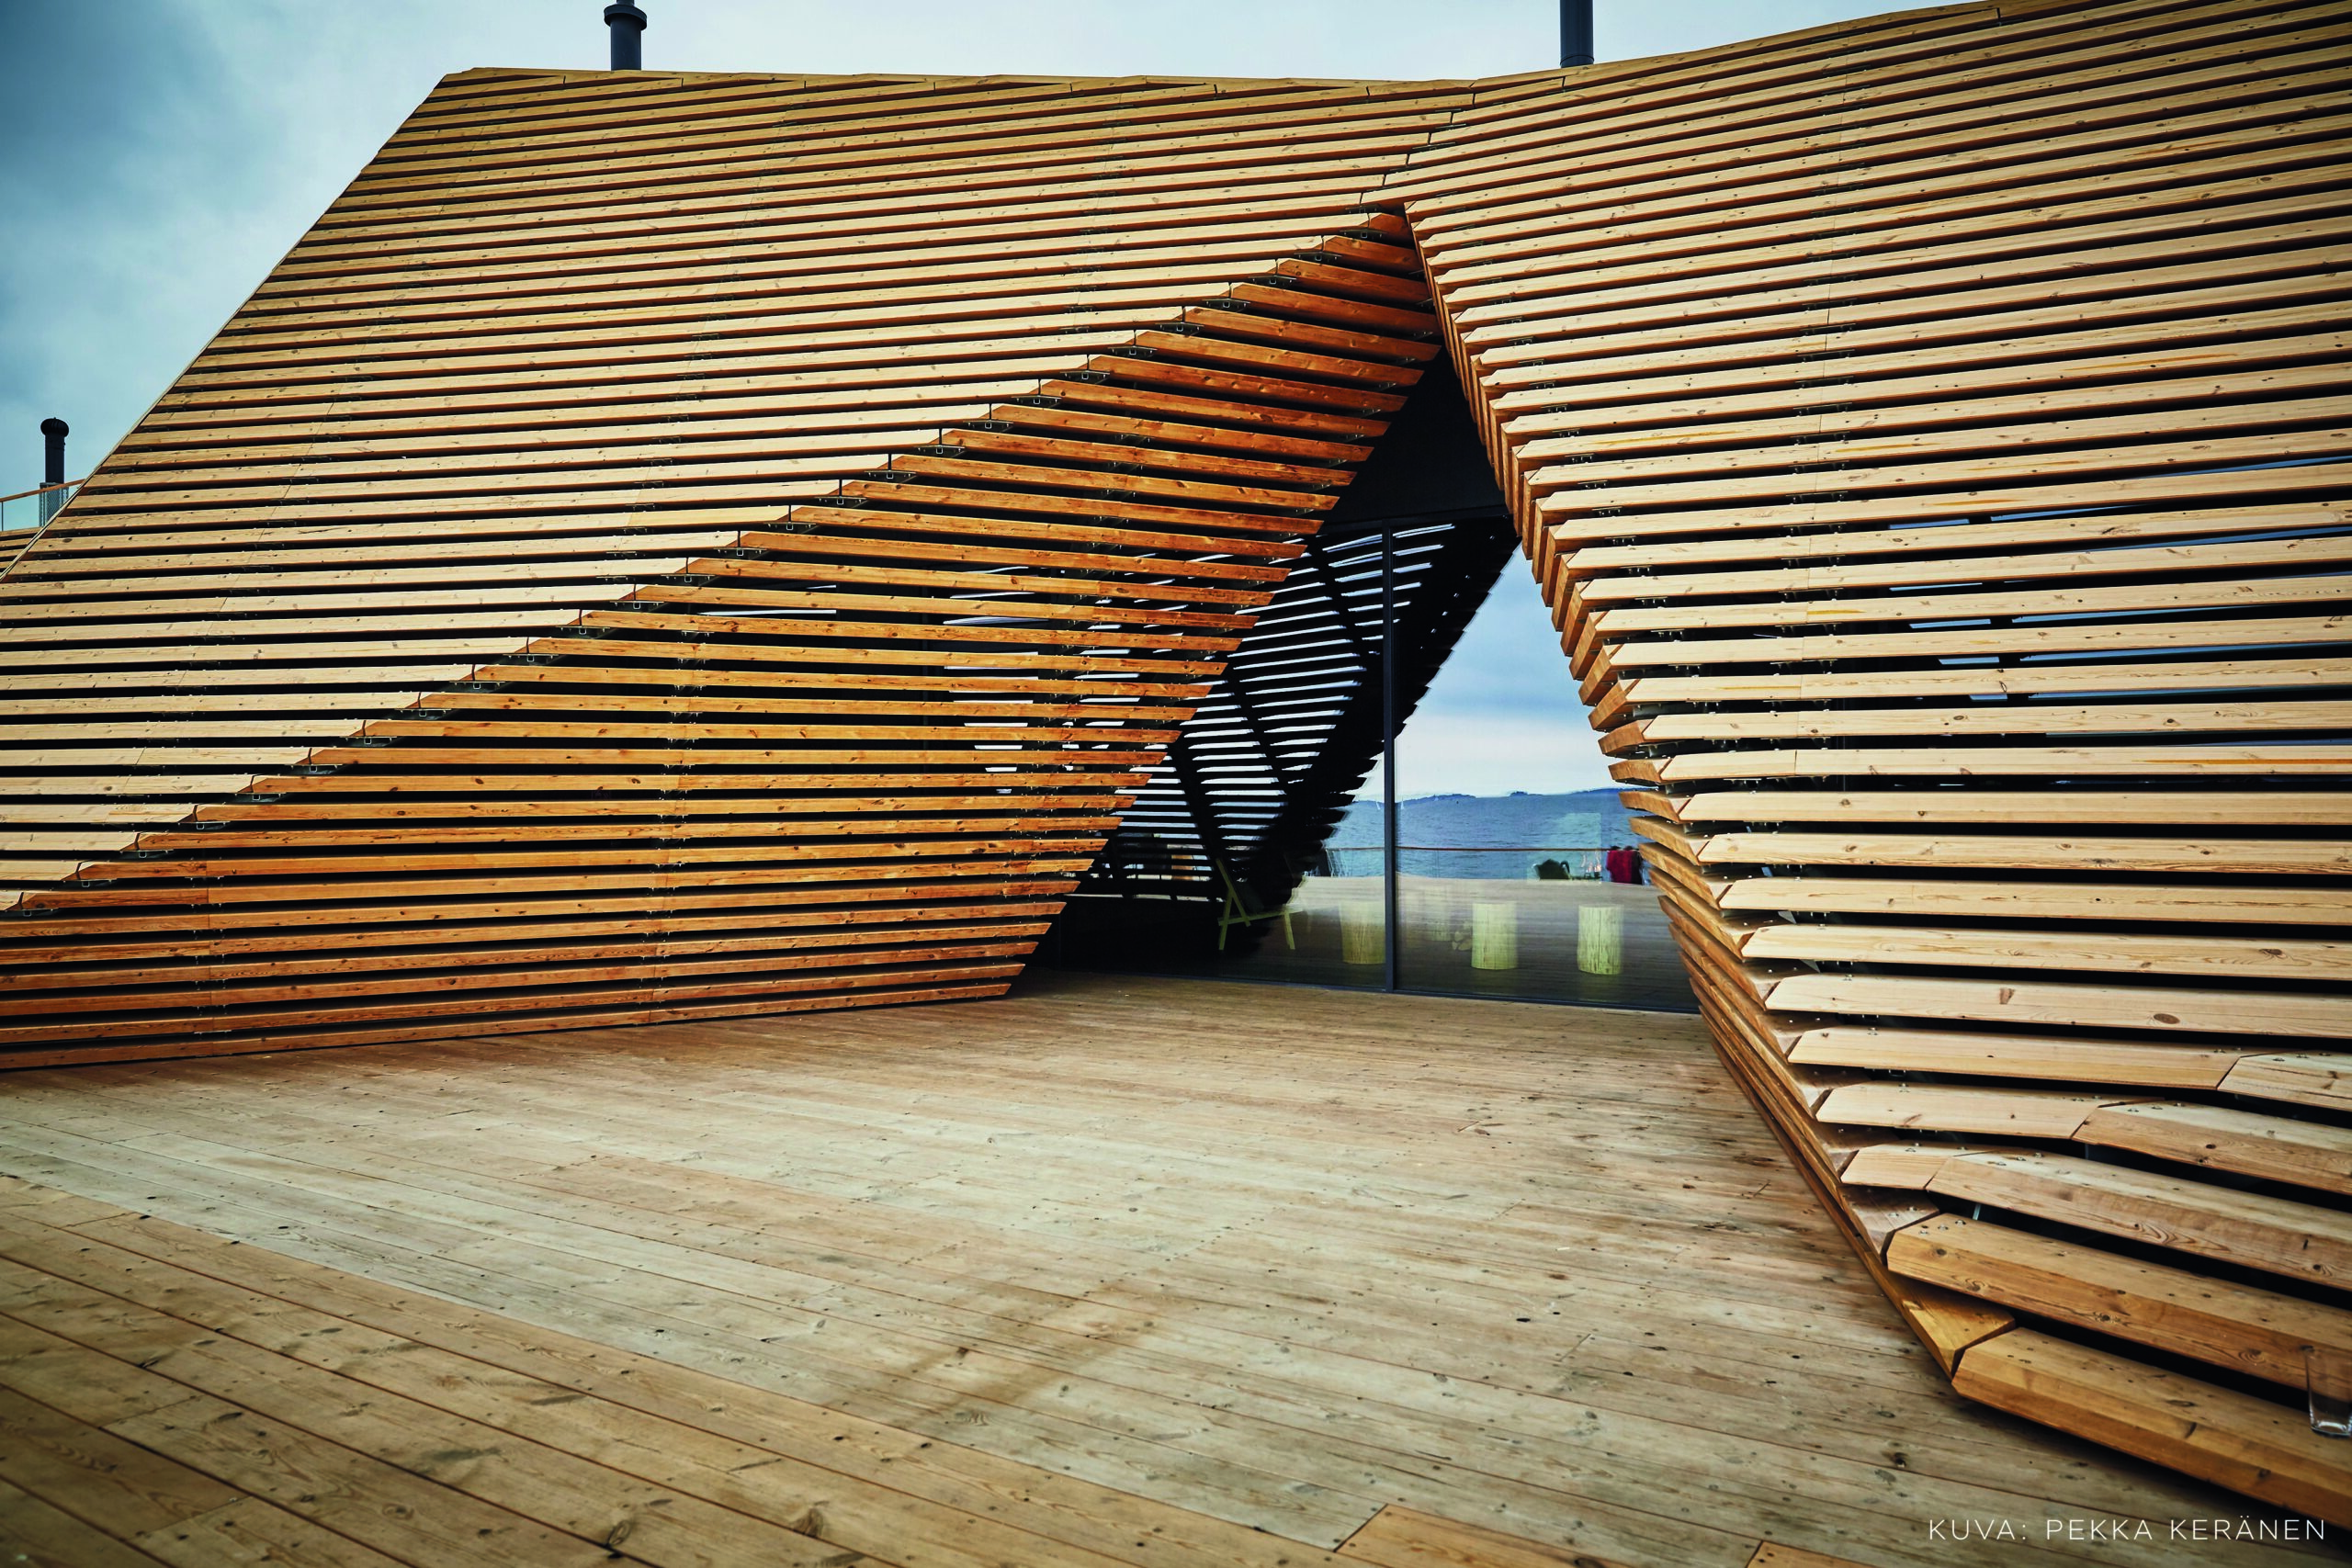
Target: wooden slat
(1403,1537)
(1768,1555)
(41,1536)
(2246,1444)
(2274,1147)
(2317,1079)
(2297,1240)
(2215,1320)
(2054,1058)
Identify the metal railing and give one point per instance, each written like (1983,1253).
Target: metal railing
(1573,862)
(31,508)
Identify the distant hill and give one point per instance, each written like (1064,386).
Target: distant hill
(1531,827)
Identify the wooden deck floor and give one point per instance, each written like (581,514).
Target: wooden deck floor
(1115,1271)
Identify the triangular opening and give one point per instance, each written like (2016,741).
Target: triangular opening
(1266,847)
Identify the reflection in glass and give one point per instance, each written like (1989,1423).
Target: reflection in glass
(1261,848)
(1520,895)
(1518,871)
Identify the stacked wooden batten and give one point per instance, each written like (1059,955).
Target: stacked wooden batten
(744,570)
(744,564)
(1929,435)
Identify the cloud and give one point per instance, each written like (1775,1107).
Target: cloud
(1503,714)
(1459,752)
(108,281)
(164,153)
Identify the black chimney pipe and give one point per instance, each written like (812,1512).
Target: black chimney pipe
(52,464)
(1576,32)
(627,24)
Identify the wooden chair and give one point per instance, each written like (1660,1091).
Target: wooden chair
(1240,911)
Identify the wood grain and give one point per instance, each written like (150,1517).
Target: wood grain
(1147,1269)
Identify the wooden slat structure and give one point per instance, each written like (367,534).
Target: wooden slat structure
(1928,433)
(664,548)
(669,546)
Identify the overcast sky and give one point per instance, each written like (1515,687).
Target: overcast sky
(163,154)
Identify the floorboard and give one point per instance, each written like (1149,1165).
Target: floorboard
(1111,1271)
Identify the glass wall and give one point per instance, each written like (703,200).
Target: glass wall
(1484,852)
(1518,873)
